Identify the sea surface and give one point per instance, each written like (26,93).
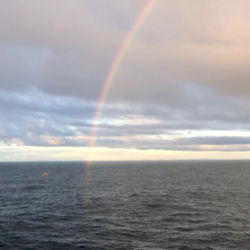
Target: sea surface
(125,205)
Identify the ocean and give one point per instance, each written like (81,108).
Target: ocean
(125,205)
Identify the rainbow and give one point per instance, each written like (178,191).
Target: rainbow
(114,68)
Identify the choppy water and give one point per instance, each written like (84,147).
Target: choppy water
(128,205)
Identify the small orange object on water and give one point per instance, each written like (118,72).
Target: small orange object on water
(45,173)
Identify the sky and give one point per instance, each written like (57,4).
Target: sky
(181,91)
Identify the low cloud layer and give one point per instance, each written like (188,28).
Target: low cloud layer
(38,119)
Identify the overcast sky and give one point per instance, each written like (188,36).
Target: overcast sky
(182,90)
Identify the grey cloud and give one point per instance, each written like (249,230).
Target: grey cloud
(54,46)
(183,144)
(26,117)
(34,118)
(39,103)
(70,51)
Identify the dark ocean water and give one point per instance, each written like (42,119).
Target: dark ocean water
(126,205)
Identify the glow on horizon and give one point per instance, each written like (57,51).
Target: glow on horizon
(114,68)
(40,153)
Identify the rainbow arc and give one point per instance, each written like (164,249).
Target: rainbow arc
(114,68)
